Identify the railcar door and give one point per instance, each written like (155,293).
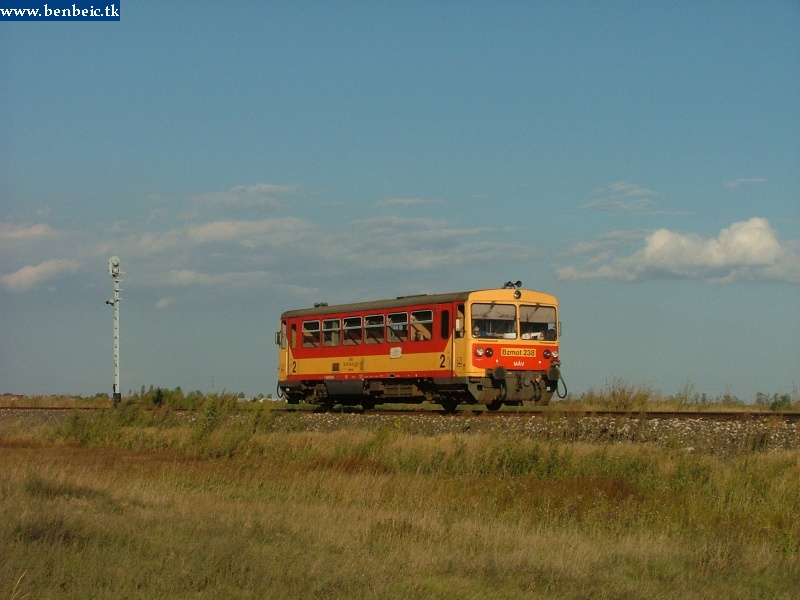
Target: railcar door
(458,346)
(283,353)
(445,318)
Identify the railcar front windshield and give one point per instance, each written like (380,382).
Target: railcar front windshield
(494,320)
(499,321)
(537,322)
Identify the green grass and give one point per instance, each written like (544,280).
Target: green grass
(144,504)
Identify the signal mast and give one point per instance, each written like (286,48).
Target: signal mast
(113,270)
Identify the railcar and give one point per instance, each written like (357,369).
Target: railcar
(483,347)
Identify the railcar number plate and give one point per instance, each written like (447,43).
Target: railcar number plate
(518,352)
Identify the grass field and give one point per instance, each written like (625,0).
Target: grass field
(131,503)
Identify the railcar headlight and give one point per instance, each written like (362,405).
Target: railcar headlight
(489,352)
(547,354)
(555,353)
(478,351)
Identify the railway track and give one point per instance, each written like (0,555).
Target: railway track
(546,413)
(617,414)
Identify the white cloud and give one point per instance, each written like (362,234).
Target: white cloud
(237,254)
(23,232)
(627,189)
(748,250)
(624,196)
(265,195)
(619,204)
(399,243)
(189,277)
(247,233)
(148,244)
(388,202)
(253,253)
(165,302)
(31,276)
(737,182)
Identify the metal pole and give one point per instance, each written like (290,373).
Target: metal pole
(117,393)
(113,269)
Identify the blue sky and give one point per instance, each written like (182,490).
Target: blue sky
(641,161)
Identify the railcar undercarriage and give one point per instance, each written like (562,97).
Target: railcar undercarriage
(497,388)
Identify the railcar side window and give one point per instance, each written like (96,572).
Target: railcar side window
(373,329)
(445,324)
(311,334)
(421,325)
(494,320)
(537,322)
(330,332)
(352,331)
(398,327)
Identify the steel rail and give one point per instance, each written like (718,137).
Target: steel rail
(619,414)
(467,411)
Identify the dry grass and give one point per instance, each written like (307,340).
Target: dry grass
(149,507)
(10,400)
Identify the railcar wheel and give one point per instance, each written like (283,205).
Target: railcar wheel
(448,406)
(494,405)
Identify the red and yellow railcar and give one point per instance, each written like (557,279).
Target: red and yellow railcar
(489,347)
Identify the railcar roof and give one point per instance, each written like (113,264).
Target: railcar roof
(399,302)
